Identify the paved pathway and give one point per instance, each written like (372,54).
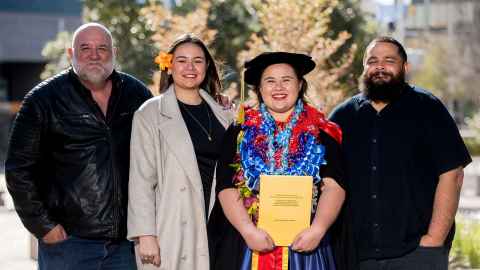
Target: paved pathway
(14,243)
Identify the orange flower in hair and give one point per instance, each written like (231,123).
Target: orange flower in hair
(164,60)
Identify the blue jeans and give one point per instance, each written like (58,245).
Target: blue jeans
(85,254)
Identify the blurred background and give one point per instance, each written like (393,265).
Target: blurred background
(442,38)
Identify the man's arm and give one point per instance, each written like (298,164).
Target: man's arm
(21,167)
(445,207)
(449,156)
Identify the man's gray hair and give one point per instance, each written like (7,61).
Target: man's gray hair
(88,25)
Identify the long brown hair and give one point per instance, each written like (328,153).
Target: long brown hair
(211,83)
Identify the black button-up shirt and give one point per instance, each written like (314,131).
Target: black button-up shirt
(393,162)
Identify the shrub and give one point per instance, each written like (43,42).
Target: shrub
(466,245)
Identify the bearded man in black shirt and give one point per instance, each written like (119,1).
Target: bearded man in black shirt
(404,164)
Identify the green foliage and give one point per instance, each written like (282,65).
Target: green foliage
(236,21)
(466,245)
(348,16)
(185,7)
(55,53)
(473,142)
(473,146)
(450,73)
(433,73)
(168,26)
(130,33)
(235,24)
(474,125)
(305,26)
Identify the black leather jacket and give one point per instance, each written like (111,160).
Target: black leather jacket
(67,163)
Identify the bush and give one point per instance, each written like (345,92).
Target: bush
(466,245)
(473,146)
(473,142)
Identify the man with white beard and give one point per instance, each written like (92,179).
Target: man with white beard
(68,158)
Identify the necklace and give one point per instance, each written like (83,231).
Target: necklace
(209,132)
(294,150)
(281,139)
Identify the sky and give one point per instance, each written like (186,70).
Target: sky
(390,2)
(385,2)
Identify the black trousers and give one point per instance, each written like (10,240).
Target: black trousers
(422,258)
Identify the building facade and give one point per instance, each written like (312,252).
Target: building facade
(25,27)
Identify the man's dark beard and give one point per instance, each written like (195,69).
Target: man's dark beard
(383,91)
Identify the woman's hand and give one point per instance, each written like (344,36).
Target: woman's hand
(149,250)
(308,239)
(258,240)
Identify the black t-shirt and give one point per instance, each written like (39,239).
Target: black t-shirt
(206,151)
(393,160)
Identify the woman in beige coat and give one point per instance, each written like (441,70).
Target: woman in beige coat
(174,148)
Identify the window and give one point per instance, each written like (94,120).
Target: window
(3,90)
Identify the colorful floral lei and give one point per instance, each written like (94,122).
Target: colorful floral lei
(268,147)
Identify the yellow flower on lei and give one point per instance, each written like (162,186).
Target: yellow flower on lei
(164,60)
(241,114)
(253,209)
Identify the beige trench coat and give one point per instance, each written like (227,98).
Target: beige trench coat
(165,189)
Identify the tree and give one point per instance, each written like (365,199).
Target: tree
(474,126)
(433,72)
(348,16)
(167,26)
(450,73)
(227,26)
(236,22)
(440,74)
(55,54)
(304,26)
(130,33)
(452,62)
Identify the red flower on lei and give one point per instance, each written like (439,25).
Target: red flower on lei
(311,121)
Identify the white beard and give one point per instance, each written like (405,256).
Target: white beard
(94,77)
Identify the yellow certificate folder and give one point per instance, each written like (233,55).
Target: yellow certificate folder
(285,206)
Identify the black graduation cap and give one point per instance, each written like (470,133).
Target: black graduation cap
(254,68)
